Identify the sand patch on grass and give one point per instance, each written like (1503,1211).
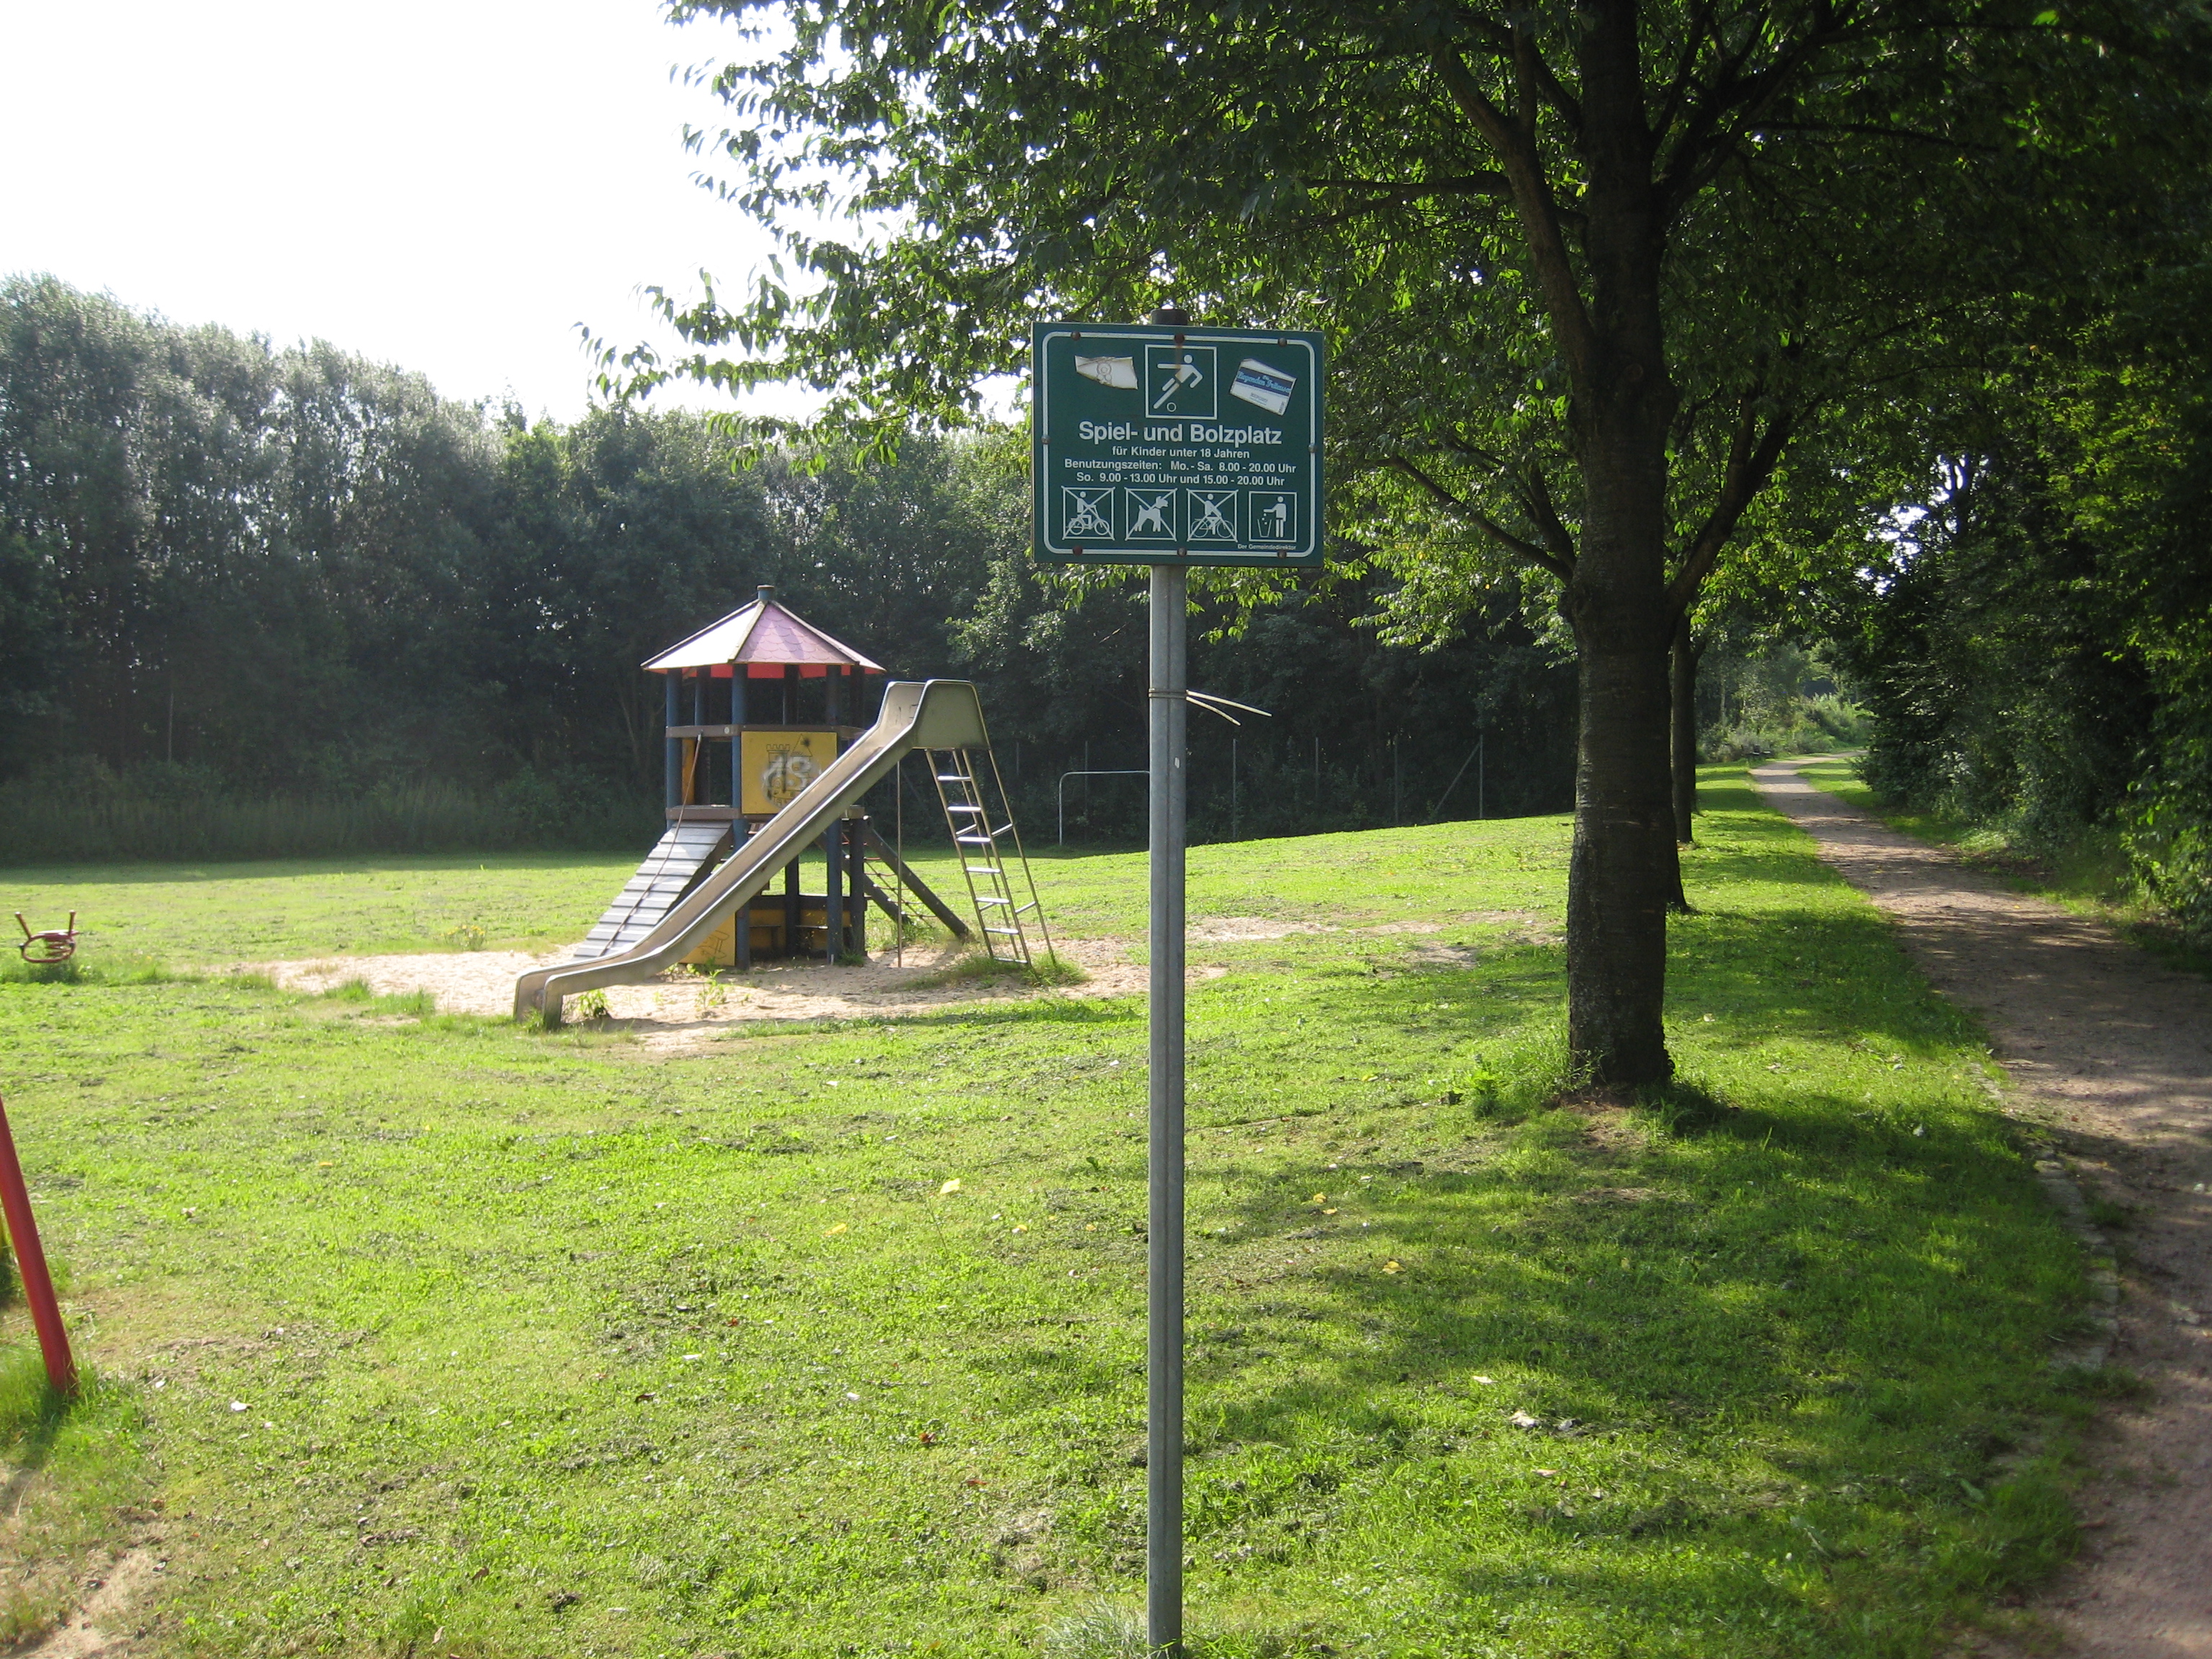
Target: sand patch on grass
(681,1009)
(684,1010)
(117,1592)
(459,981)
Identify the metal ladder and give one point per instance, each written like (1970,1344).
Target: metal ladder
(990,887)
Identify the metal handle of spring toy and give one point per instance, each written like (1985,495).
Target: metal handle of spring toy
(46,949)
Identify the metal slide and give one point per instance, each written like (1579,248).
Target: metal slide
(916,715)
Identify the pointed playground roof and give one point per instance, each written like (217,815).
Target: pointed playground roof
(767,639)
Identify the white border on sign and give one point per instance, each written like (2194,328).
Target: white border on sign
(1306,544)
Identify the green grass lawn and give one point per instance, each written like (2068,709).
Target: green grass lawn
(270,911)
(828,1341)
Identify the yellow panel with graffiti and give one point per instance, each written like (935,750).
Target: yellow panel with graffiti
(778,765)
(767,914)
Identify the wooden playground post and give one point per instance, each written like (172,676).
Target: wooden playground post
(31,1265)
(672,749)
(833,895)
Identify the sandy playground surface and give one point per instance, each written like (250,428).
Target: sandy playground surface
(681,1010)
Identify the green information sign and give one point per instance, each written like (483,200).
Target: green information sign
(1167,444)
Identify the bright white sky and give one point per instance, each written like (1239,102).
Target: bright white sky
(450,186)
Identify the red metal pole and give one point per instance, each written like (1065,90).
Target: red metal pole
(31,1264)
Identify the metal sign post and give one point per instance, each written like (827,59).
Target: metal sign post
(1166,708)
(1170,445)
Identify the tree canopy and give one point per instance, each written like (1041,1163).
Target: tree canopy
(1587,271)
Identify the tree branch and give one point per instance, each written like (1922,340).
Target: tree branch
(1474,453)
(1481,521)
(1752,457)
(1870,129)
(1707,142)
(1538,214)
(1693,38)
(1547,515)
(1724,90)
(1498,40)
(1471,184)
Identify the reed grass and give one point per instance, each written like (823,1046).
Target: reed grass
(42,823)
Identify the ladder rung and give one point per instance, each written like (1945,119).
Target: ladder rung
(973,840)
(982,870)
(961,807)
(955,777)
(989,898)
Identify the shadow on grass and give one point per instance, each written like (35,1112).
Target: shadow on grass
(32,1415)
(1816,974)
(1830,1326)
(1832,1343)
(1046,1010)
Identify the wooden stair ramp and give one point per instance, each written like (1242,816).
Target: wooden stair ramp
(684,854)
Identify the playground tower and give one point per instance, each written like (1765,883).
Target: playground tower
(766,759)
(754,666)
(758,705)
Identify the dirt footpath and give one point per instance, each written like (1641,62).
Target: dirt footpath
(2114,1054)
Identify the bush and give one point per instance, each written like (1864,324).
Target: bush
(159,811)
(2170,850)
(1776,701)
(1818,726)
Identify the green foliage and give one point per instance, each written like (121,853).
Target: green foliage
(1825,212)
(2171,843)
(1772,698)
(2032,637)
(159,812)
(279,641)
(549,1343)
(31,645)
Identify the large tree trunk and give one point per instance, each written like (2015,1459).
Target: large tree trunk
(1623,868)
